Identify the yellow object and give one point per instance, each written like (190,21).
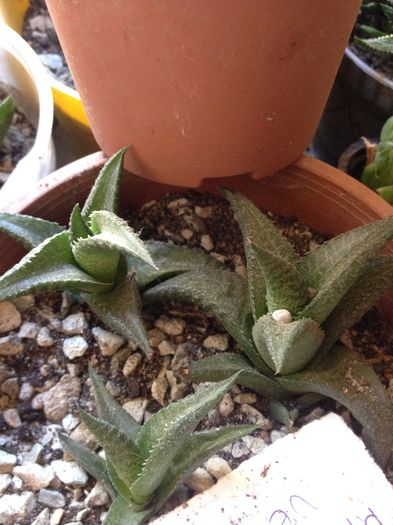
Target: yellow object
(68,105)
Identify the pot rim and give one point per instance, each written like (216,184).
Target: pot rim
(361,64)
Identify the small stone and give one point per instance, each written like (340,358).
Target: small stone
(10,318)
(28,331)
(216,342)
(132,364)
(206,242)
(56,517)
(254,444)
(7,462)
(74,347)
(113,388)
(37,402)
(98,496)
(5,482)
(11,387)
(82,434)
(204,212)
(214,417)
(51,60)
(12,418)
(282,316)
(24,303)
(186,233)
(16,484)
(170,326)
(52,498)
(75,324)
(14,507)
(136,408)
(34,476)
(10,345)
(44,338)
(275,435)
(239,449)
(226,405)
(107,342)
(241,270)
(159,389)
(177,391)
(43,518)
(69,473)
(56,399)
(218,467)
(255,416)
(155,337)
(166,348)
(26,392)
(33,455)
(245,397)
(70,422)
(199,480)
(177,203)
(316,413)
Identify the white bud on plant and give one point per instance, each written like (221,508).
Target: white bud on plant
(282,316)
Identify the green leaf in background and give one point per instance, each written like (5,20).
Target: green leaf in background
(122,513)
(78,226)
(381,44)
(29,231)
(7,109)
(97,257)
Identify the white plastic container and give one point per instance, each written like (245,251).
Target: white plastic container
(24,77)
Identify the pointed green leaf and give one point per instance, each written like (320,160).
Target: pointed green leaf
(285,287)
(104,193)
(197,449)
(120,450)
(116,232)
(97,257)
(78,226)
(335,266)
(171,260)
(221,366)
(381,44)
(258,230)
(7,108)
(346,377)
(49,266)
(287,348)
(120,310)
(370,286)
(221,293)
(121,513)
(162,437)
(88,460)
(109,409)
(119,485)
(29,231)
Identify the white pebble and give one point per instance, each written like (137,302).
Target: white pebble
(74,347)
(34,476)
(216,342)
(136,408)
(69,473)
(15,507)
(108,342)
(12,418)
(218,467)
(44,339)
(75,324)
(28,331)
(206,242)
(7,462)
(199,480)
(170,326)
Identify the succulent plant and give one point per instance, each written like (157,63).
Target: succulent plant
(378,31)
(143,464)
(7,108)
(89,258)
(378,173)
(287,322)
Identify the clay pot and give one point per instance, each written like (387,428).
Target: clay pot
(325,198)
(204,88)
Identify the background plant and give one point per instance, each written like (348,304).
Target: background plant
(7,109)
(376,26)
(289,319)
(143,464)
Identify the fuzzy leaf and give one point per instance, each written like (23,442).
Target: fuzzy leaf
(116,232)
(285,287)
(104,193)
(381,44)
(121,513)
(346,377)
(7,108)
(197,449)
(120,487)
(78,226)
(171,260)
(109,409)
(29,231)
(220,293)
(164,434)
(287,348)
(88,460)
(120,450)
(97,257)
(49,266)
(120,310)
(335,266)
(221,366)
(258,230)
(370,286)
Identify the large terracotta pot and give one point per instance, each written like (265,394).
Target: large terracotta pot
(322,196)
(204,88)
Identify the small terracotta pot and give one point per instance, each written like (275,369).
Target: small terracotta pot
(325,198)
(204,88)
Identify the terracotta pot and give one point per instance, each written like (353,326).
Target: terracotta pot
(322,196)
(204,89)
